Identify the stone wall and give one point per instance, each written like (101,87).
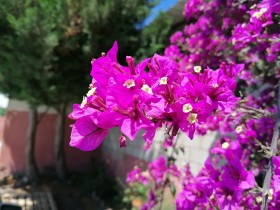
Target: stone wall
(123,159)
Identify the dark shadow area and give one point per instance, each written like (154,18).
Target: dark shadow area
(96,189)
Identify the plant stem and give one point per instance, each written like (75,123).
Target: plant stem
(161,193)
(262,112)
(168,164)
(273,150)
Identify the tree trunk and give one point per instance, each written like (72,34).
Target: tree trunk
(59,143)
(31,167)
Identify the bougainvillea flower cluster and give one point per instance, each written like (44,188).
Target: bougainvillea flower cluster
(147,96)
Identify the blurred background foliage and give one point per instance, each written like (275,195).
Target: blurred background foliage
(46,47)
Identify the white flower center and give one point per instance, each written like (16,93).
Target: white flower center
(129,83)
(239,129)
(197,69)
(270,194)
(215,85)
(259,199)
(187,108)
(225,145)
(147,89)
(259,14)
(163,81)
(192,118)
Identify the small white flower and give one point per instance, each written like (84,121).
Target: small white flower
(215,85)
(129,83)
(163,81)
(259,199)
(270,194)
(225,145)
(259,14)
(197,69)
(187,108)
(239,129)
(192,118)
(147,89)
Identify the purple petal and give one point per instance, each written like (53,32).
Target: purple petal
(86,135)
(142,65)
(129,129)
(112,53)
(249,182)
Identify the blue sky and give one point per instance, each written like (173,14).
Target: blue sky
(162,6)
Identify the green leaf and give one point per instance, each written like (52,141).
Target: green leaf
(172,189)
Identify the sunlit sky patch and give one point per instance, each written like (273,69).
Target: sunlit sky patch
(3,101)
(164,5)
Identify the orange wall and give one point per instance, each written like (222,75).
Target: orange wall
(12,154)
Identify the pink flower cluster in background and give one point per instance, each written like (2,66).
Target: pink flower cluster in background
(233,31)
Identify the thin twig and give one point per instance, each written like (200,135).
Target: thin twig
(273,150)
(174,147)
(258,111)
(264,149)
(161,193)
(166,181)
(211,204)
